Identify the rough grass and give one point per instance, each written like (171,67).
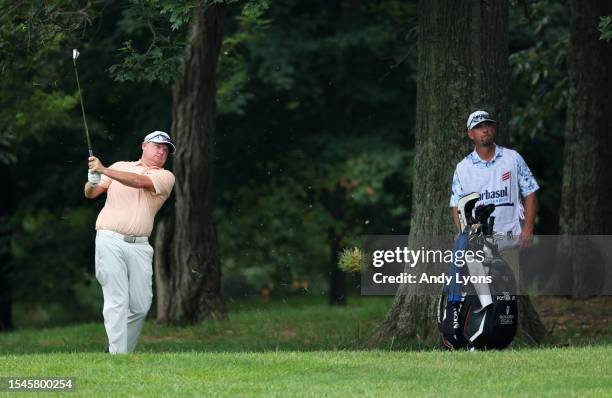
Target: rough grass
(303,324)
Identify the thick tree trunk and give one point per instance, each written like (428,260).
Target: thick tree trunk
(6,302)
(463,66)
(193,291)
(586,202)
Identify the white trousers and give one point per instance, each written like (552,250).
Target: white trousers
(125,271)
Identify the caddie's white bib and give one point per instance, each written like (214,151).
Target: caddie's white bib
(497,184)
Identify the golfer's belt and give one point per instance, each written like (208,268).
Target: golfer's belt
(125,238)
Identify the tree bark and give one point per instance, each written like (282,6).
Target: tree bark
(193,291)
(163,244)
(337,281)
(6,301)
(462,66)
(586,199)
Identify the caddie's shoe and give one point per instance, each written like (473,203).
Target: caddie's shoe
(106,350)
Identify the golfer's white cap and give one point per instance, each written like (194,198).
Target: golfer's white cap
(477,118)
(162,138)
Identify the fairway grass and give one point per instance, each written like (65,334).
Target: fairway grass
(584,372)
(303,347)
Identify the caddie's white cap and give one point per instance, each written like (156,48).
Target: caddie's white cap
(162,138)
(477,118)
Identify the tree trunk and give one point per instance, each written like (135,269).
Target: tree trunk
(193,290)
(462,66)
(586,201)
(337,278)
(6,302)
(337,283)
(163,243)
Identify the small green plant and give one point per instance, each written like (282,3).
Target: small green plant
(605,27)
(350,259)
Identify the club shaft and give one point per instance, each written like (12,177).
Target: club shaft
(76,74)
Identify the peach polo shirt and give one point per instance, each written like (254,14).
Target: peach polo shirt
(131,211)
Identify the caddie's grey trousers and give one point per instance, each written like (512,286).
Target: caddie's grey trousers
(125,271)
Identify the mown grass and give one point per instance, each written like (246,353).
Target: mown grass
(584,372)
(302,347)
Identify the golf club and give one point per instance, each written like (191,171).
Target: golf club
(75,55)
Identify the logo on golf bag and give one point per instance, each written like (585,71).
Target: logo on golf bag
(504,297)
(507,319)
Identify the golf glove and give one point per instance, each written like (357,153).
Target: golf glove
(93,177)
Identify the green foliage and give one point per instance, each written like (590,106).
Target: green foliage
(6,155)
(360,167)
(31,36)
(154,40)
(44,110)
(158,63)
(178,12)
(154,34)
(261,228)
(350,260)
(539,88)
(232,74)
(539,70)
(261,243)
(315,106)
(55,274)
(605,27)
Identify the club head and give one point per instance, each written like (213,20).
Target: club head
(75,54)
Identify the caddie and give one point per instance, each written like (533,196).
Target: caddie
(135,191)
(502,177)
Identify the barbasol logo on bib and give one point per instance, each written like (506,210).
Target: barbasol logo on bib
(488,195)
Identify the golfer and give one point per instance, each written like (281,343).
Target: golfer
(135,191)
(502,177)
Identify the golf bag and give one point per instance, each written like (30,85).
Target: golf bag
(471,316)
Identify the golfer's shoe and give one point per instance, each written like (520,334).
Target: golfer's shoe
(107,350)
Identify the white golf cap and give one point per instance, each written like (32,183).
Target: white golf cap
(477,118)
(161,138)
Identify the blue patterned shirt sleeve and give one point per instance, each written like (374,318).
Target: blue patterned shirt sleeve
(526,181)
(456,190)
